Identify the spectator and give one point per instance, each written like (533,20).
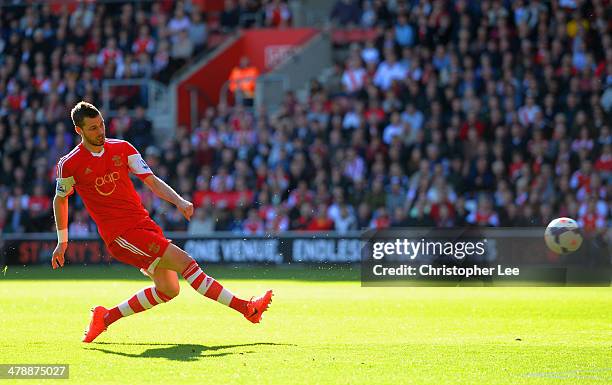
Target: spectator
(413,117)
(39,207)
(18,217)
(80,226)
(404,33)
(395,128)
(529,112)
(182,48)
(249,13)
(230,16)
(353,77)
(203,222)
(370,54)
(141,129)
(321,222)
(277,13)
(355,166)
(144,43)
(179,23)
(345,221)
(120,125)
(396,197)
(381,219)
(345,13)
(484,215)
(198,31)
(110,54)
(368,14)
(302,221)
(376,197)
(389,71)
(279,221)
(253,225)
(242,81)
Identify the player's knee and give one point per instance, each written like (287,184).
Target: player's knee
(170,291)
(189,259)
(175,259)
(186,261)
(174,291)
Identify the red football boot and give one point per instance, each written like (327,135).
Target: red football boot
(257,306)
(96,325)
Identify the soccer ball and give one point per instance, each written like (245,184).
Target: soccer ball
(563,235)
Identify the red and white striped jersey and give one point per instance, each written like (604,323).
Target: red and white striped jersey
(102,181)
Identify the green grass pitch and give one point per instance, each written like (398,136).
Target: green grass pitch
(323,328)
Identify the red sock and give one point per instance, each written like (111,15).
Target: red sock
(141,301)
(209,287)
(239,305)
(113,315)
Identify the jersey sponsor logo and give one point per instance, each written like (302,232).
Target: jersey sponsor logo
(106,185)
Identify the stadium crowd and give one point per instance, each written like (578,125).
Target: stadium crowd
(488,113)
(52,56)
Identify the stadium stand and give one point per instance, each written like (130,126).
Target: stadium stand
(445,113)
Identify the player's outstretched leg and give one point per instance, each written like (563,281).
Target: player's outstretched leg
(178,260)
(166,287)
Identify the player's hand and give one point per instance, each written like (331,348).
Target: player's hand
(186,208)
(57,260)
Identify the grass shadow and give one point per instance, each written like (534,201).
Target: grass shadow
(180,352)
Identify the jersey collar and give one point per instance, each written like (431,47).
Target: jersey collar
(96,154)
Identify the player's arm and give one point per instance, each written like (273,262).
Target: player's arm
(167,193)
(60,211)
(138,167)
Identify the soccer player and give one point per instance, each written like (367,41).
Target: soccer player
(98,169)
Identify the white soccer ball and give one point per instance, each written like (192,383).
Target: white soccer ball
(563,235)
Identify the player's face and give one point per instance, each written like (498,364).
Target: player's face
(93,131)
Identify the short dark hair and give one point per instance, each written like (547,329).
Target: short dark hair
(83,110)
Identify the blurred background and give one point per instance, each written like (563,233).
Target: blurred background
(317,115)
